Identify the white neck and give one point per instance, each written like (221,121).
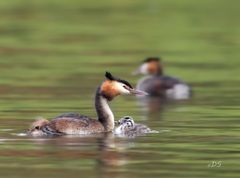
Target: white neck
(105,115)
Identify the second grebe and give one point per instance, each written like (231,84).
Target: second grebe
(158,84)
(74,123)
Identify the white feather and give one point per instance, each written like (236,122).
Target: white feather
(143,69)
(179,92)
(120,87)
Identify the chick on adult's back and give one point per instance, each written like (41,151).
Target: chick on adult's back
(74,123)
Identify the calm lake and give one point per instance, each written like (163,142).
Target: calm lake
(53,55)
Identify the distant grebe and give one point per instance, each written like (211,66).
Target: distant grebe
(158,84)
(74,123)
(127,127)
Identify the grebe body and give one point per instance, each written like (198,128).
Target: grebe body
(158,84)
(74,123)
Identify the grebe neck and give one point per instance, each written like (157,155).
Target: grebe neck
(105,115)
(160,72)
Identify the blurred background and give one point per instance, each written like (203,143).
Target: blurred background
(54,53)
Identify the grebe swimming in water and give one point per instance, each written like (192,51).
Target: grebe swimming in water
(36,127)
(158,84)
(74,123)
(127,127)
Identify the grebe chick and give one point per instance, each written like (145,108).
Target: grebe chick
(158,84)
(35,129)
(127,127)
(74,123)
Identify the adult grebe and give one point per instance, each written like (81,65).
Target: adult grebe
(74,123)
(158,84)
(127,127)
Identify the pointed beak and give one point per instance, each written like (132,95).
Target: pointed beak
(138,92)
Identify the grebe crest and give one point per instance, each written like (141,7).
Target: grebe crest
(113,87)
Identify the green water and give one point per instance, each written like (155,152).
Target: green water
(53,55)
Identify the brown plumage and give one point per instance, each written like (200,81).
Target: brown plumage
(154,67)
(36,127)
(109,90)
(74,123)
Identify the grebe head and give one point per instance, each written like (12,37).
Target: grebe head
(113,87)
(151,65)
(124,126)
(127,120)
(35,128)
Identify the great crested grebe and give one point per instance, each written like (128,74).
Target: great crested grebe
(127,127)
(74,123)
(158,84)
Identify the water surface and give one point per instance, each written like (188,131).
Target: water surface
(53,55)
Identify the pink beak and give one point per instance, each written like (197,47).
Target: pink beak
(138,92)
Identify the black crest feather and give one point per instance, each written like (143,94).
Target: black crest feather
(109,76)
(150,59)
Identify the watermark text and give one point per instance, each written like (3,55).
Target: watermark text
(215,164)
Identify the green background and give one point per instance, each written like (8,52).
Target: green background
(54,53)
